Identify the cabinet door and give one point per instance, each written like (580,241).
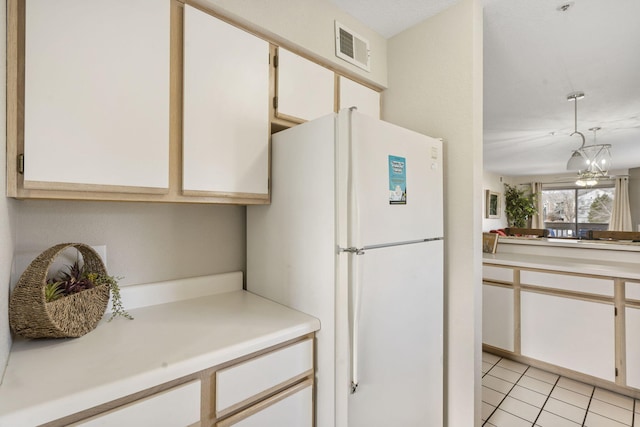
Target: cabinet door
(226,114)
(179,406)
(96,96)
(497,317)
(575,334)
(353,94)
(292,407)
(305,90)
(632,331)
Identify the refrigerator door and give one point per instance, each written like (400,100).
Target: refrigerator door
(396,183)
(400,372)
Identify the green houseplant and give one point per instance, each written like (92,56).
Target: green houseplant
(520,206)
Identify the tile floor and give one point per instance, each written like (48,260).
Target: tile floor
(515,395)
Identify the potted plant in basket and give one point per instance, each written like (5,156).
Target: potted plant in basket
(69,305)
(76,279)
(520,206)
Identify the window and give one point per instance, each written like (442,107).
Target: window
(572,212)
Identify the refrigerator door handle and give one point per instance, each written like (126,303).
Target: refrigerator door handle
(352,250)
(356,290)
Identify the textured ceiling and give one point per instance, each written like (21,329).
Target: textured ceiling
(534,56)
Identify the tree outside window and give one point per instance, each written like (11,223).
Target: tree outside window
(573,212)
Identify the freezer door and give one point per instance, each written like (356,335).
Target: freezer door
(399,336)
(396,183)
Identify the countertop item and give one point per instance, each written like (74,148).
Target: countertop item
(624,270)
(48,379)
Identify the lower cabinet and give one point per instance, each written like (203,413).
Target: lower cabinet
(271,388)
(498,316)
(178,406)
(572,333)
(275,386)
(633,346)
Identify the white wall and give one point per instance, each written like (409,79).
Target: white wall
(7,235)
(435,87)
(145,242)
(309,24)
(493,182)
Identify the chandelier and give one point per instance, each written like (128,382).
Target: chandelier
(591,161)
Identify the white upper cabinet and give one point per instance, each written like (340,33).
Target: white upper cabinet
(96,94)
(226,108)
(352,94)
(304,89)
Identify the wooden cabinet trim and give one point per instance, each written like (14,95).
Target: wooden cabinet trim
(15,93)
(567,294)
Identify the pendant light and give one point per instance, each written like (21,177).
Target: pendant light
(591,161)
(576,161)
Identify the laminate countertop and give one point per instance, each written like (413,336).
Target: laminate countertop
(623,270)
(48,379)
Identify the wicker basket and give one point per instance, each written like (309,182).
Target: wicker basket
(71,316)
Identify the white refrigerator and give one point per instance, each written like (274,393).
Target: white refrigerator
(354,237)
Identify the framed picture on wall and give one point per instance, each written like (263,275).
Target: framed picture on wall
(492,204)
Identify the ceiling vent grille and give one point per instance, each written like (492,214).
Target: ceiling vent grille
(352,47)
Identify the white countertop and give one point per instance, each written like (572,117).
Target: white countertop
(48,379)
(610,245)
(625,270)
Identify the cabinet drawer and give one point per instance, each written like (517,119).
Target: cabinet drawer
(590,285)
(292,407)
(178,406)
(632,291)
(497,274)
(241,384)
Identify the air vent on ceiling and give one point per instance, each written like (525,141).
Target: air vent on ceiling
(352,47)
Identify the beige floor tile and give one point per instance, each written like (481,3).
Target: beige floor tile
(529,396)
(487,410)
(501,418)
(595,420)
(520,409)
(505,374)
(611,411)
(535,385)
(512,366)
(541,375)
(613,398)
(491,358)
(576,386)
(486,366)
(496,384)
(565,410)
(571,397)
(491,397)
(547,419)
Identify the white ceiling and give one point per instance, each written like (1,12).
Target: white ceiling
(534,56)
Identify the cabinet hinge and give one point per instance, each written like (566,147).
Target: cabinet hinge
(21,164)
(275,102)
(615,311)
(275,61)
(616,372)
